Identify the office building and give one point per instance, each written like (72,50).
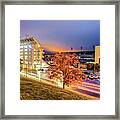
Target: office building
(31,53)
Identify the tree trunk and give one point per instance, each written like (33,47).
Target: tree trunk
(63,85)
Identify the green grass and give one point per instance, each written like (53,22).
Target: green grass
(35,90)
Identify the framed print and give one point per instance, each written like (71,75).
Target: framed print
(59,59)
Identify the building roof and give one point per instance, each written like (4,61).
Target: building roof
(79,51)
(30,39)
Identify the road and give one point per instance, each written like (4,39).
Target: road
(88,89)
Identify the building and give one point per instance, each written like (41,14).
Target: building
(97,54)
(31,53)
(86,56)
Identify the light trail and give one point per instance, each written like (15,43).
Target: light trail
(87,89)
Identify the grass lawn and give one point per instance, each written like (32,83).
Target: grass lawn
(35,90)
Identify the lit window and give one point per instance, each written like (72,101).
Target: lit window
(29,46)
(26,57)
(25,49)
(25,46)
(21,46)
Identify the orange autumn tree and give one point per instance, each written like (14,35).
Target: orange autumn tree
(65,67)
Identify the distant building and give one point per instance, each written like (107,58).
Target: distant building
(97,54)
(85,56)
(31,53)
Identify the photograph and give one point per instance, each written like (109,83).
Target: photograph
(59,59)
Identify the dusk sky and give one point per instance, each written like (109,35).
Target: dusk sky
(63,34)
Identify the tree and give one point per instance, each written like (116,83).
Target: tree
(65,67)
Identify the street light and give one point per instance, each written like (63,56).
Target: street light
(26,70)
(39,62)
(40,56)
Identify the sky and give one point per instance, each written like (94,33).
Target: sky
(62,34)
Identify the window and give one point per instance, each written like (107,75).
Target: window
(25,46)
(21,46)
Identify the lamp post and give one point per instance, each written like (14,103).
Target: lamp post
(40,56)
(26,70)
(40,68)
(40,63)
(40,74)
(38,60)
